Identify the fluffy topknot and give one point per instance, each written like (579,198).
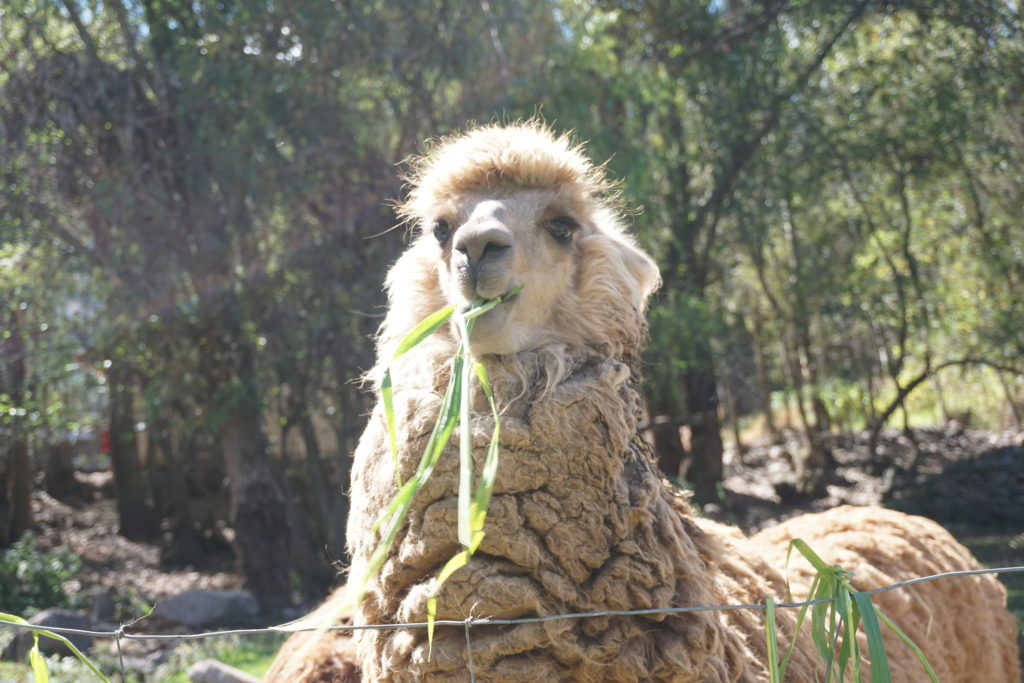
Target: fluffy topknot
(520,155)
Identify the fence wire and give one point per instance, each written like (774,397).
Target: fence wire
(470,623)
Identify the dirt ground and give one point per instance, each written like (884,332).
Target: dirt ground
(979,474)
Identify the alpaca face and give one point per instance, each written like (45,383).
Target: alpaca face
(495,242)
(509,206)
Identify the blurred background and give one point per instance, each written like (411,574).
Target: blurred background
(195,204)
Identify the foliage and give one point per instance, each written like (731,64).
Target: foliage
(31,578)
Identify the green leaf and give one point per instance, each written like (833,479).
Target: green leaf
(35,658)
(456,409)
(812,557)
(799,624)
(387,398)
(465,531)
(424,329)
(427,327)
(876,646)
(910,643)
(772,637)
(849,651)
(457,562)
(396,512)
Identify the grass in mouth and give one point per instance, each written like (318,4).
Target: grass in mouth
(456,412)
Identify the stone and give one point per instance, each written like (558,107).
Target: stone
(102,605)
(205,608)
(212,671)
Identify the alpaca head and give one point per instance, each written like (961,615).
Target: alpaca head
(504,206)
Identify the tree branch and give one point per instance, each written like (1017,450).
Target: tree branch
(920,379)
(745,150)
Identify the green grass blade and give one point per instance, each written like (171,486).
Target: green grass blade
(480,306)
(849,651)
(380,553)
(35,658)
(427,327)
(819,632)
(485,487)
(812,557)
(822,635)
(910,643)
(439,438)
(457,562)
(876,646)
(772,640)
(387,398)
(465,530)
(396,512)
(801,615)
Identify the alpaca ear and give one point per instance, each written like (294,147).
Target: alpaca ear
(613,265)
(643,269)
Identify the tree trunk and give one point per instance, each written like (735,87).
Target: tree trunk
(319,485)
(706,429)
(59,477)
(940,393)
(820,460)
(186,544)
(1014,408)
(668,447)
(15,463)
(732,404)
(259,513)
(810,467)
(764,385)
(137,518)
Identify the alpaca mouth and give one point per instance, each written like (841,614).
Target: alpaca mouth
(489,301)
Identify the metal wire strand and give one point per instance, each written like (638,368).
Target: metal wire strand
(478,621)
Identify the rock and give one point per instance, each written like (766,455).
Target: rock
(212,671)
(18,648)
(204,608)
(102,605)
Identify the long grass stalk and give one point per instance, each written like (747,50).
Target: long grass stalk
(455,413)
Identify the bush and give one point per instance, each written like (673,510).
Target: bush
(31,578)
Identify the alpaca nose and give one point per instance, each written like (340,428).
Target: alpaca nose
(480,242)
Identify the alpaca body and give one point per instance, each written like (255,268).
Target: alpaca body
(581,520)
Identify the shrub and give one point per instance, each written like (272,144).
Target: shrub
(31,578)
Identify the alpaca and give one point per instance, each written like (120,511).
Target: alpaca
(581,520)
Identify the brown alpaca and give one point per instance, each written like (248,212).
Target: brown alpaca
(581,520)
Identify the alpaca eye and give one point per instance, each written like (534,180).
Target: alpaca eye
(442,231)
(562,229)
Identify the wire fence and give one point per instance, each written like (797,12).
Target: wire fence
(474,622)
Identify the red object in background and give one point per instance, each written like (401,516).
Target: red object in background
(105,442)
